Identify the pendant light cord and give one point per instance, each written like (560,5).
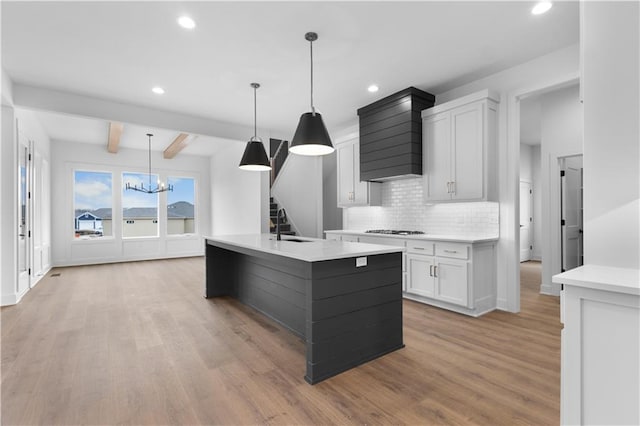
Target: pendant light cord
(149,161)
(255,113)
(313,110)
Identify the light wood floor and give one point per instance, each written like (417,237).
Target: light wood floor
(136,343)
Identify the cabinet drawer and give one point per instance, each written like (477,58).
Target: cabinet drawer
(456,251)
(382,240)
(420,247)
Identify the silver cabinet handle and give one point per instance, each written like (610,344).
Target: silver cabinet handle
(448,187)
(435,271)
(418,248)
(450,251)
(430,270)
(453,187)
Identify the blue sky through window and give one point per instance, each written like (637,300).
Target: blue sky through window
(132,198)
(183,190)
(92,190)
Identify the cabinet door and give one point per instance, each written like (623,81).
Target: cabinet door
(452,281)
(467,152)
(345,162)
(419,278)
(436,160)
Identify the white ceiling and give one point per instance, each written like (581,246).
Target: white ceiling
(119,50)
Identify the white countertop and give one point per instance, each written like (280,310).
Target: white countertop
(434,237)
(619,280)
(314,250)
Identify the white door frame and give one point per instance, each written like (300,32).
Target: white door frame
(509,252)
(23,241)
(528,220)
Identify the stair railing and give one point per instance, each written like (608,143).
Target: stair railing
(277,161)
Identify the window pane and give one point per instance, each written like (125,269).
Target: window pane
(139,209)
(92,204)
(181,206)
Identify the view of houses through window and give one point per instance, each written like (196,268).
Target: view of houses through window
(139,209)
(181,206)
(93,203)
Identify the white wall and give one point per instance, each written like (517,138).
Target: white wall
(68,156)
(298,188)
(561,136)
(611,45)
(8,212)
(238,197)
(537,202)
(526,171)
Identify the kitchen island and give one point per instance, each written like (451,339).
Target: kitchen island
(344,299)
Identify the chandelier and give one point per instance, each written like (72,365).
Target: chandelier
(149,190)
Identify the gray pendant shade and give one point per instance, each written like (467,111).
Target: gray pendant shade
(311,137)
(254,157)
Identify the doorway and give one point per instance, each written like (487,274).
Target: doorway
(24,210)
(571,212)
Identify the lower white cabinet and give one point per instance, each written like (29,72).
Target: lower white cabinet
(459,276)
(452,281)
(419,275)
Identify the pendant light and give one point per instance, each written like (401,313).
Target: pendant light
(255,157)
(160,188)
(311,137)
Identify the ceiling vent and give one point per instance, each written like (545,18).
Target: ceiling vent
(391,136)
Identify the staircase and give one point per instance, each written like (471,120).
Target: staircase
(285,228)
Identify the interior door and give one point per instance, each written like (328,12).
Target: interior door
(23,215)
(526,220)
(571,185)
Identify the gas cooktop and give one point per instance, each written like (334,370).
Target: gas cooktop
(393,232)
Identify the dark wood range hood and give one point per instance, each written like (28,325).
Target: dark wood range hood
(391,135)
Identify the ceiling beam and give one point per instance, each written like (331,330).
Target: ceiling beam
(115,131)
(176,146)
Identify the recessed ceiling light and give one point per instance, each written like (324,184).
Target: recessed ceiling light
(541,7)
(158,90)
(186,22)
(373,88)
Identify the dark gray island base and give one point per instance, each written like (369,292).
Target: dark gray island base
(347,315)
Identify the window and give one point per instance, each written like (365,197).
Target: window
(181,206)
(139,209)
(92,199)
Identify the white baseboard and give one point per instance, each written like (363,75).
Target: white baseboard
(8,299)
(548,290)
(84,262)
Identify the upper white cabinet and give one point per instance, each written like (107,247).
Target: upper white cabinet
(351,191)
(460,149)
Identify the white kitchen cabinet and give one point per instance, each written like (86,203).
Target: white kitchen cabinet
(600,346)
(351,191)
(460,149)
(420,279)
(451,281)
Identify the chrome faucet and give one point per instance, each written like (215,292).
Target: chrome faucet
(284,218)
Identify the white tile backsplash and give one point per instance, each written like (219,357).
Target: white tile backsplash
(403,208)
